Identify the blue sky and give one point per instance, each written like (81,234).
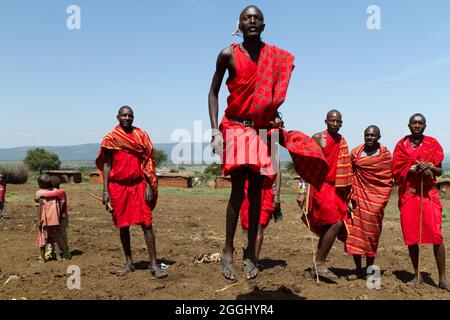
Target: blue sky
(63,87)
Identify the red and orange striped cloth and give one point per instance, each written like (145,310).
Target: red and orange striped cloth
(409,189)
(372,186)
(142,148)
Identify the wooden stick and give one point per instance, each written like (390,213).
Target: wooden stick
(110,208)
(305,212)
(420,229)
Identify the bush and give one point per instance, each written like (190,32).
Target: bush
(213,169)
(290,168)
(160,157)
(40,159)
(15,174)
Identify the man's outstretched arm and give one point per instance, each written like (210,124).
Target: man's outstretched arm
(222,64)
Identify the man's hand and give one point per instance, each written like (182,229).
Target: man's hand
(421,167)
(301,200)
(148,193)
(277,123)
(107,201)
(350,208)
(277,215)
(217,144)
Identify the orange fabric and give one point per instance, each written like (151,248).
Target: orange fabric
(329,203)
(267,206)
(372,186)
(138,145)
(405,155)
(58,194)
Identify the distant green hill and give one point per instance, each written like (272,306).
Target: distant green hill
(88,152)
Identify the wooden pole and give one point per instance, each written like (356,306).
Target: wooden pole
(420,230)
(110,208)
(305,212)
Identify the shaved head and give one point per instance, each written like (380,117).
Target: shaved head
(334,112)
(416,115)
(374,128)
(251,7)
(125,108)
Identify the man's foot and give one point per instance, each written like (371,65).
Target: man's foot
(157,272)
(126,269)
(323,272)
(59,258)
(356,275)
(228,270)
(413,282)
(251,271)
(67,256)
(444,285)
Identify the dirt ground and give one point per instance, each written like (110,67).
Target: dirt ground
(190,223)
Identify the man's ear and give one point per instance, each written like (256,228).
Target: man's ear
(263,27)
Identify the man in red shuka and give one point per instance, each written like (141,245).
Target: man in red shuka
(417,160)
(258,80)
(329,202)
(126,164)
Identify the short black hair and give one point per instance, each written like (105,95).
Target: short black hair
(418,115)
(44,181)
(251,6)
(123,108)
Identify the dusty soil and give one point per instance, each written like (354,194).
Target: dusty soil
(188,224)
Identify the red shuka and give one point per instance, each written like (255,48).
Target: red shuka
(256,92)
(132,166)
(406,155)
(2,192)
(329,203)
(371,190)
(267,206)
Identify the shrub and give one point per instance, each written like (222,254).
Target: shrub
(160,157)
(40,159)
(15,174)
(213,169)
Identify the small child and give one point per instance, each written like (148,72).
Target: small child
(2,195)
(49,214)
(63,240)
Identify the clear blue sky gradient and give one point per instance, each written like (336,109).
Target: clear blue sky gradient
(62,87)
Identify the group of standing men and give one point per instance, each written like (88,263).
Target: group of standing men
(349,190)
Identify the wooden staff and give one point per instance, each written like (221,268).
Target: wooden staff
(305,212)
(420,229)
(110,208)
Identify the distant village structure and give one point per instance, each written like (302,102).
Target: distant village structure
(66,176)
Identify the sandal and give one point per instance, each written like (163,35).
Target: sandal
(444,286)
(126,269)
(355,276)
(226,265)
(249,267)
(158,273)
(323,273)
